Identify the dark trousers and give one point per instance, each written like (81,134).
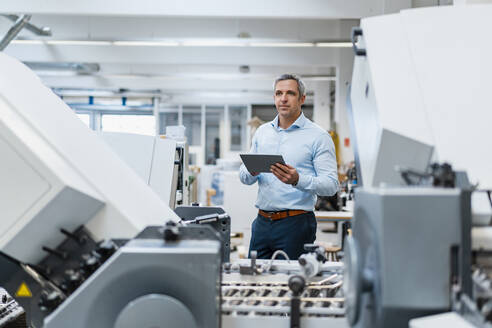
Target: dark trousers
(288,234)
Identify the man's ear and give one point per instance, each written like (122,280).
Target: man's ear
(302,99)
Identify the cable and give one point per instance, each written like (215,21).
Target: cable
(278,251)
(281,252)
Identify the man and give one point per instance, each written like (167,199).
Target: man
(287,195)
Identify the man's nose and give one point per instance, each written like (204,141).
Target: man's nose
(284,97)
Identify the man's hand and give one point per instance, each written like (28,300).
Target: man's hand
(285,173)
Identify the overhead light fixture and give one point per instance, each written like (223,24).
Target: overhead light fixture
(146,43)
(281,44)
(242,75)
(190,43)
(79,42)
(334,44)
(212,43)
(81,68)
(318,78)
(27,42)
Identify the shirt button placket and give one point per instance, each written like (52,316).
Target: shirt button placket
(280,140)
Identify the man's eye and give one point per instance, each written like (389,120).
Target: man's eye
(291,93)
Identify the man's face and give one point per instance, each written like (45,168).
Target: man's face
(287,99)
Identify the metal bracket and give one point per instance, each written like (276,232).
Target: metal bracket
(14,30)
(43,31)
(356,32)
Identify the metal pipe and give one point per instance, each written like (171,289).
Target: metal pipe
(14,30)
(43,31)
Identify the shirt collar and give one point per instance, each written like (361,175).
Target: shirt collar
(299,123)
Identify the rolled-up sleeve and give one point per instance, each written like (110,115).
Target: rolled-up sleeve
(325,180)
(244,174)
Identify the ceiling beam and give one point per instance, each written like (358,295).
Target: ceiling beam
(181,90)
(333,9)
(78,27)
(313,56)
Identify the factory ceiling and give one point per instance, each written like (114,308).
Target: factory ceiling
(192,45)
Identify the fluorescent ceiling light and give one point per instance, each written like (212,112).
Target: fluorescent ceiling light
(212,43)
(214,76)
(281,44)
(319,78)
(146,43)
(188,43)
(334,44)
(84,68)
(55,73)
(79,42)
(27,42)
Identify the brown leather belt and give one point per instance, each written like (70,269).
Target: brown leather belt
(280,214)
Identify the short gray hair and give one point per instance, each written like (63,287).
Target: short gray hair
(301,87)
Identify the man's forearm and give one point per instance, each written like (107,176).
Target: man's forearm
(322,186)
(246,177)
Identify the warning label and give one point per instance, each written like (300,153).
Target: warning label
(23,291)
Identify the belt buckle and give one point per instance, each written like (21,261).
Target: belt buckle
(278,215)
(274,215)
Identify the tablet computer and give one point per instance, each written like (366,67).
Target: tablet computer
(260,162)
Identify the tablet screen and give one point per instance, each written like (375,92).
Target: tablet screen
(260,162)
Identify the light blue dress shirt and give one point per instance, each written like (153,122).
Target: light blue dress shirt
(305,146)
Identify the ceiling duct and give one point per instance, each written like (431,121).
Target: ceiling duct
(111,93)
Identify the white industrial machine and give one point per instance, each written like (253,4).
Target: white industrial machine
(56,173)
(152,158)
(63,189)
(420,94)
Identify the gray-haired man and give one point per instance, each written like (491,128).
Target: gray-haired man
(287,195)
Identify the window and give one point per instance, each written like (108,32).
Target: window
(86,118)
(168,119)
(213,117)
(212,131)
(192,120)
(268,112)
(238,118)
(139,124)
(192,159)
